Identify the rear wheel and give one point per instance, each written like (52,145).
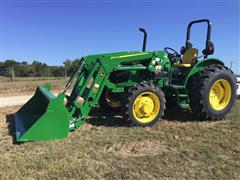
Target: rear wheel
(212,92)
(145,104)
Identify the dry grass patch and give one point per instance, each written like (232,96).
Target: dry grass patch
(106,148)
(141,148)
(29,87)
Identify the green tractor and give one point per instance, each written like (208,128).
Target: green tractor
(139,83)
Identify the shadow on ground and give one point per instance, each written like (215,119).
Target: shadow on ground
(173,113)
(11,127)
(99,117)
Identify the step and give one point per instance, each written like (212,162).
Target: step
(177,86)
(182,95)
(184,106)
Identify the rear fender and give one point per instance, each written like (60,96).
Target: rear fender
(200,66)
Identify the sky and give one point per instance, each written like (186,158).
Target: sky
(52,31)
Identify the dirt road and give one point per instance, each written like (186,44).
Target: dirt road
(6,100)
(14,100)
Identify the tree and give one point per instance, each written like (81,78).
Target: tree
(57,71)
(67,64)
(9,65)
(11,68)
(74,66)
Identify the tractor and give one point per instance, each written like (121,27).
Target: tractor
(137,83)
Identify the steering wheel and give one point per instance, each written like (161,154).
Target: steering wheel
(172,54)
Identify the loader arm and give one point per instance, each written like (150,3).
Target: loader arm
(94,77)
(55,116)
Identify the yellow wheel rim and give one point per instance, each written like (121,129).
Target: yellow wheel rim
(220,94)
(111,100)
(146,107)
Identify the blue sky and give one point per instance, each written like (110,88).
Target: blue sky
(52,31)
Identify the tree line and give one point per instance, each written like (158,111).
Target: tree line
(12,68)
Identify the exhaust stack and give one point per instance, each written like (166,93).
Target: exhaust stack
(144,38)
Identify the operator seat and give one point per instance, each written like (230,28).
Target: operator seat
(188,58)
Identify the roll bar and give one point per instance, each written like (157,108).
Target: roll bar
(209,46)
(196,22)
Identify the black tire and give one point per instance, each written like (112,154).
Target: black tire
(103,101)
(199,92)
(134,93)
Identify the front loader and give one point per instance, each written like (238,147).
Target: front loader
(139,83)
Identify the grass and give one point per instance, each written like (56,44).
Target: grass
(21,79)
(105,148)
(27,85)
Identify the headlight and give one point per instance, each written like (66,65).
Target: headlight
(158,67)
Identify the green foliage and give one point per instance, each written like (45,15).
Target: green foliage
(71,66)
(37,68)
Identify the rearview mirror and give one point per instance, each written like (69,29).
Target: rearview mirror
(209,48)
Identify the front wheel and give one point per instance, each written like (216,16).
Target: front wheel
(145,104)
(110,101)
(212,92)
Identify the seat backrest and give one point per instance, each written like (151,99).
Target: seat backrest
(190,55)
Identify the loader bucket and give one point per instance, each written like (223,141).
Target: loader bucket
(43,117)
